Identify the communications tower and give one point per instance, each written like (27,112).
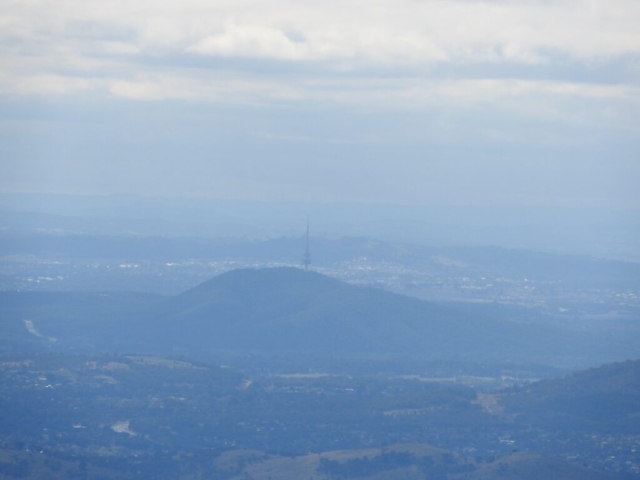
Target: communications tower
(306,258)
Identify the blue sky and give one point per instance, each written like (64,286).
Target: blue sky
(443,102)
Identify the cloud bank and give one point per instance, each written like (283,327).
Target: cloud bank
(186,50)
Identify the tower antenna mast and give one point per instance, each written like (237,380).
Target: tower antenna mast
(306,258)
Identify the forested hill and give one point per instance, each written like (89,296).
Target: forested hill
(289,309)
(603,399)
(281,310)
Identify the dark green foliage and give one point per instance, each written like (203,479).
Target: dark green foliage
(288,309)
(365,467)
(605,399)
(285,310)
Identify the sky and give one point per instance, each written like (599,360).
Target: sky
(417,102)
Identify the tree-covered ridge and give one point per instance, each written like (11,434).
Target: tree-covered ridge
(602,399)
(289,310)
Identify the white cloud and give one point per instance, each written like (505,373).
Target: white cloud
(44,84)
(412,30)
(406,93)
(138,49)
(254,40)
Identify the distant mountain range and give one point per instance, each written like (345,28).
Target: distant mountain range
(601,232)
